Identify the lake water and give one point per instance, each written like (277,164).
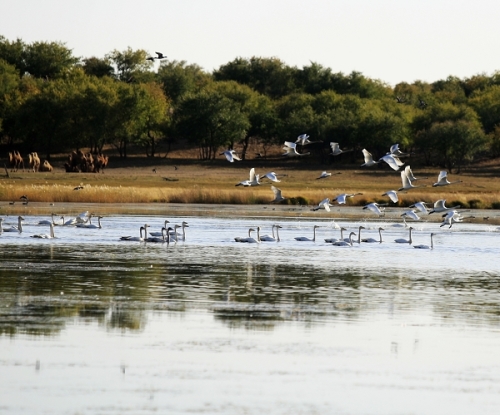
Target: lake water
(90,324)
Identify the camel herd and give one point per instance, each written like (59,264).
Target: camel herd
(78,161)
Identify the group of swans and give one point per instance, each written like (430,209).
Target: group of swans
(173,234)
(164,237)
(263,238)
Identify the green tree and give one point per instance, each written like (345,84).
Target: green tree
(47,60)
(97,67)
(129,64)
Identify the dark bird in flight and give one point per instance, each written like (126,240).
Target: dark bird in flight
(160,55)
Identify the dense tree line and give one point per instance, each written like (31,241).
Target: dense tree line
(52,101)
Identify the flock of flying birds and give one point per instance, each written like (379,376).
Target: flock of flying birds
(393,158)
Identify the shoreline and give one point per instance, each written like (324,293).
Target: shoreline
(488,216)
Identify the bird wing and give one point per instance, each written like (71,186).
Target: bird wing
(367,155)
(234,156)
(290,144)
(341,199)
(335,148)
(271,176)
(393,195)
(252,174)
(442,176)
(229,156)
(405,180)
(391,161)
(394,148)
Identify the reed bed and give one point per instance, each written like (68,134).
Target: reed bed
(208,185)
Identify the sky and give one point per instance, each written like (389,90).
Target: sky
(390,40)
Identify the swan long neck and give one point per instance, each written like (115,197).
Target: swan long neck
(314,234)
(52,231)
(380,235)
(359,234)
(277,234)
(410,241)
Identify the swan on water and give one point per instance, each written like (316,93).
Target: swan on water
(91,225)
(332,240)
(241,239)
(404,241)
(175,236)
(277,195)
(18,228)
(161,232)
(52,221)
(305,238)
(139,238)
(344,243)
(274,238)
(426,246)
(253,180)
(230,155)
(372,240)
(368,158)
(44,235)
(252,240)
(443,179)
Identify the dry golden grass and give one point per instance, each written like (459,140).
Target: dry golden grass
(214,183)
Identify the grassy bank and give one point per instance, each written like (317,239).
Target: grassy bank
(142,180)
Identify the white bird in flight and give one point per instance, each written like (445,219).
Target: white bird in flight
(342,198)
(440,206)
(336,149)
(290,150)
(253,180)
(324,175)
(271,176)
(393,195)
(277,195)
(230,155)
(303,140)
(324,204)
(394,162)
(410,214)
(406,182)
(410,175)
(368,159)
(443,179)
(375,208)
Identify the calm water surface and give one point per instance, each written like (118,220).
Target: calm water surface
(90,324)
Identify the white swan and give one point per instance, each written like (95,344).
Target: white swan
(268,238)
(392,161)
(277,195)
(165,236)
(271,176)
(443,179)
(241,239)
(290,150)
(359,235)
(344,243)
(404,241)
(342,198)
(18,228)
(44,235)
(426,246)
(452,217)
(410,214)
(91,225)
(421,206)
(376,208)
(371,240)
(324,175)
(230,155)
(52,221)
(410,175)
(336,149)
(157,234)
(393,195)
(332,240)
(253,180)
(406,182)
(305,238)
(136,238)
(303,140)
(368,159)
(440,206)
(396,152)
(324,204)
(175,236)
(253,240)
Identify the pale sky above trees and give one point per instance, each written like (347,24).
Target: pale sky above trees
(390,40)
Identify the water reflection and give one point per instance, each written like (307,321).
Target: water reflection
(42,286)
